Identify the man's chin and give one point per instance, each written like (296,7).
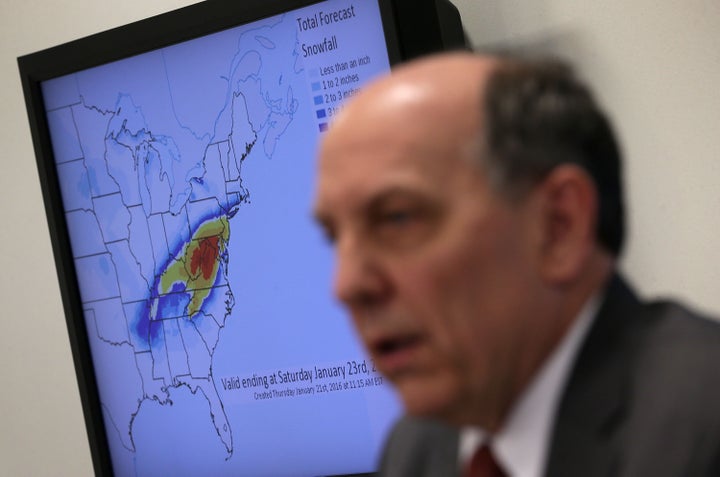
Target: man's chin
(428,400)
(442,403)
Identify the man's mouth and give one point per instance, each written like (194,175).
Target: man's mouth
(395,353)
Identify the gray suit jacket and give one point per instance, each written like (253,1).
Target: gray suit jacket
(643,399)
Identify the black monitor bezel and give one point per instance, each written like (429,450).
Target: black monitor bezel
(412,28)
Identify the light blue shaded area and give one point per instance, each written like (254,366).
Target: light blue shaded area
(74,185)
(96,277)
(85,236)
(92,125)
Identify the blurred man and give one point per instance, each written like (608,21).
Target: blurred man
(476,210)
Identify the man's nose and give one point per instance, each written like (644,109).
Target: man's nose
(359,280)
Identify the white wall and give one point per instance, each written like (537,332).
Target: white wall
(654,63)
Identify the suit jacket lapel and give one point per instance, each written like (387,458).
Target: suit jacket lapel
(584,441)
(444,457)
(421,448)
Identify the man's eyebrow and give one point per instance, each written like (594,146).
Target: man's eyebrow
(324,219)
(395,192)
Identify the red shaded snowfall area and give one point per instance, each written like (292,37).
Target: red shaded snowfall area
(205,256)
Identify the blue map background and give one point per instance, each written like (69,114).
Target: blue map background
(148,149)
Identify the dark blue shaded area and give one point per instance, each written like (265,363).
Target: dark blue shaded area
(156,336)
(142,327)
(172,305)
(178,287)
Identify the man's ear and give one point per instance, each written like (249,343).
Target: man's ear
(568,208)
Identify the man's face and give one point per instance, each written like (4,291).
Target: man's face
(434,267)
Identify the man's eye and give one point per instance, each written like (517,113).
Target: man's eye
(401,221)
(397,217)
(400,226)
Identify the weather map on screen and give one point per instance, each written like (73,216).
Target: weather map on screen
(186,176)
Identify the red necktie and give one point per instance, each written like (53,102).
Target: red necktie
(483,464)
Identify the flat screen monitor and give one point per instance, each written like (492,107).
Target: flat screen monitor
(176,160)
